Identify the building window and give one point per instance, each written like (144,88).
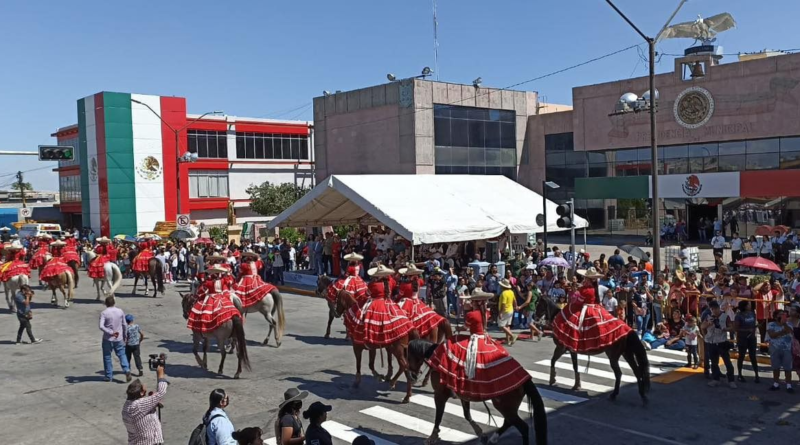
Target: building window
(76,160)
(559,142)
(475,141)
(208,144)
(272,146)
(208,184)
(69,188)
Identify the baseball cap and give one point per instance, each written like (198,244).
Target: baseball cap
(316,409)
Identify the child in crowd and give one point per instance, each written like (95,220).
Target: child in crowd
(556,292)
(134,339)
(689,334)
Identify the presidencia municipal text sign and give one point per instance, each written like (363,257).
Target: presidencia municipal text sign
(698,185)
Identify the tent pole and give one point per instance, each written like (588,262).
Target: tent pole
(584,238)
(412,252)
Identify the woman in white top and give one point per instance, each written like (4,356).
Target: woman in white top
(766,247)
(736,248)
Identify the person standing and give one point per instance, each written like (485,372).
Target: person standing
(319,257)
(288,426)
(736,248)
(24,315)
(744,325)
(701,230)
(140,411)
(718,244)
(715,331)
(134,338)
(327,254)
(316,414)
(505,309)
(114,327)
(780,349)
(219,429)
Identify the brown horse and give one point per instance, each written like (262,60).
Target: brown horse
(628,347)
(346,301)
(232,329)
(155,270)
(64,282)
(323,283)
(507,404)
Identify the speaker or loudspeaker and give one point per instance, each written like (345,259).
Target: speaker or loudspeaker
(491,252)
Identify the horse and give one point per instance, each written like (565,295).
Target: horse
(112,277)
(155,270)
(12,286)
(345,301)
(64,282)
(323,283)
(628,347)
(271,307)
(232,329)
(507,404)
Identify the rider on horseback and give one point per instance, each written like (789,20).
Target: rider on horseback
(70,250)
(251,288)
(584,325)
(422,317)
(57,265)
(42,249)
(352,283)
(222,262)
(14,262)
(103,250)
(380,321)
(214,305)
(141,263)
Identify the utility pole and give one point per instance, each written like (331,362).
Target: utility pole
(22,190)
(572,234)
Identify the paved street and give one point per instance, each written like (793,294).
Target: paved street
(54,393)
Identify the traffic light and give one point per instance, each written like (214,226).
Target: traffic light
(56,153)
(564,212)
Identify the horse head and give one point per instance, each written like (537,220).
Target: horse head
(323,282)
(547,308)
(90,255)
(417,354)
(187,301)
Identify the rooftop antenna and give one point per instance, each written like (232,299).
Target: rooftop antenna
(435,42)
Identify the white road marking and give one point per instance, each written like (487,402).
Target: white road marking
(343,432)
(458,411)
(560,396)
(591,371)
(565,381)
(418,425)
(605,361)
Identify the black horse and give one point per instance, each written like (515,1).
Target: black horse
(628,347)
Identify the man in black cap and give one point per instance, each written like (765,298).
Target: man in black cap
(316,414)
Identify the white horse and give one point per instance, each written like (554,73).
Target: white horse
(112,277)
(271,307)
(12,286)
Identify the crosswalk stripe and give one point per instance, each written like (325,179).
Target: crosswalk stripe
(270,441)
(622,363)
(347,434)
(658,359)
(670,352)
(560,396)
(457,410)
(418,425)
(591,371)
(565,381)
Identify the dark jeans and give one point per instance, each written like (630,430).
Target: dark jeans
(24,325)
(691,353)
(747,345)
(133,350)
(715,351)
(277,273)
(327,264)
(182,270)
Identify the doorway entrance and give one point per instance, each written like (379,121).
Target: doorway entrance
(694,213)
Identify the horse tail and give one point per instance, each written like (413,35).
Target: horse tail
(447,329)
(116,278)
(238,303)
(70,282)
(241,342)
(276,295)
(159,276)
(536,411)
(74,266)
(640,354)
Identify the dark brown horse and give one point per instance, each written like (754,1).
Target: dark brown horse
(628,347)
(323,283)
(344,302)
(155,271)
(507,404)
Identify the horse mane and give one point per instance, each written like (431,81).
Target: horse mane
(422,348)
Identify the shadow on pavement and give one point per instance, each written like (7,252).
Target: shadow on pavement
(340,387)
(319,340)
(97,377)
(195,371)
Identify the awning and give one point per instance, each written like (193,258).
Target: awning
(424,208)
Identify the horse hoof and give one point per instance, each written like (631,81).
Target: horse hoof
(265,342)
(278,345)
(612,397)
(405,400)
(576,388)
(327,336)
(235,376)
(645,401)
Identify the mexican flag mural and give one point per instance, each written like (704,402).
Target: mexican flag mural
(128,160)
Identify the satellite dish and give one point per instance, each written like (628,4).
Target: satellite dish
(629,98)
(646,95)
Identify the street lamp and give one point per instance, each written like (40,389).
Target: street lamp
(651,106)
(186,157)
(546,185)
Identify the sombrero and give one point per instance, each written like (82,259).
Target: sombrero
(380,271)
(477,294)
(251,254)
(352,256)
(15,245)
(680,276)
(46,236)
(67,235)
(216,269)
(505,283)
(292,395)
(411,269)
(216,258)
(103,239)
(4,229)
(589,273)
(58,243)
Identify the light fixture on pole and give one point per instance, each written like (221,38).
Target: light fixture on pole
(427,71)
(651,107)
(545,186)
(391,77)
(188,156)
(477,82)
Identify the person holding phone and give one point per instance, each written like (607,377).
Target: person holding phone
(780,349)
(715,330)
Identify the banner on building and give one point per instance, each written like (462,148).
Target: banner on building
(519,241)
(698,185)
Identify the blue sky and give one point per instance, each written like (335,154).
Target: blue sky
(264,58)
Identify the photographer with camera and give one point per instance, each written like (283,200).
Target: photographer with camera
(140,413)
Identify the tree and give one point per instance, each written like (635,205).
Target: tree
(271,199)
(24,186)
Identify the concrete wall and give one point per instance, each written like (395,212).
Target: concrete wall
(242,174)
(754,99)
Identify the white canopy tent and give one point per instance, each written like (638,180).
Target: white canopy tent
(424,209)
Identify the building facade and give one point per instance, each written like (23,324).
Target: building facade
(127,176)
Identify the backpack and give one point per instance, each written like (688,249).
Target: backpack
(199,433)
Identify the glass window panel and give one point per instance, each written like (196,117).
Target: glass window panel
(443,155)
(442,170)
(259,152)
(492,131)
(790,159)
(191,143)
(477,137)
(508,157)
(762,161)
(732,148)
(202,146)
(731,163)
(703,150)
(596,157)
(223,185)
(268,142)
(506,116)
(250,146)
(213,186)
(459,133)
(202,186)
(240,152)
(559,141)
(193,186)
(213,151)
(477,170)
(675,152)
(790,144)
(711,164)
(510,173)
(277,147)
(695,165)
(304,148)
(675,166)
(494,115)
(554,159)
(440,110)
(480,114)
(441,131)
(645,168)
(460,156)
(459,112)
(598,170)
(222,145)
(477,156)
(459,170)
(626,156)
(295,144)
(644,154)
(492,158)
(287,148)
(763,146)
(494,170)
(508,135)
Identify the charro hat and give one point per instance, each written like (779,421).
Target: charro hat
(4,229)
(352,256)
(291,395)
(58,243)
(589,273)
(103,239)
(680,276)
(505,283)
(216,269)
(46,236)
(250,254)
(15,245)
(67,234)
(411,269)
(380,271)
(477,294)
(215,258)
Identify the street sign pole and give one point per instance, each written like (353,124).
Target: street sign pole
(572,234)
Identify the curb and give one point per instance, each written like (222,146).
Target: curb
(296,290)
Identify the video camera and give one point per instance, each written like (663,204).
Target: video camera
(157,360)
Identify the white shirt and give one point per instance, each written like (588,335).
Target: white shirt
(610,303)
(718,242)
(736,244)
